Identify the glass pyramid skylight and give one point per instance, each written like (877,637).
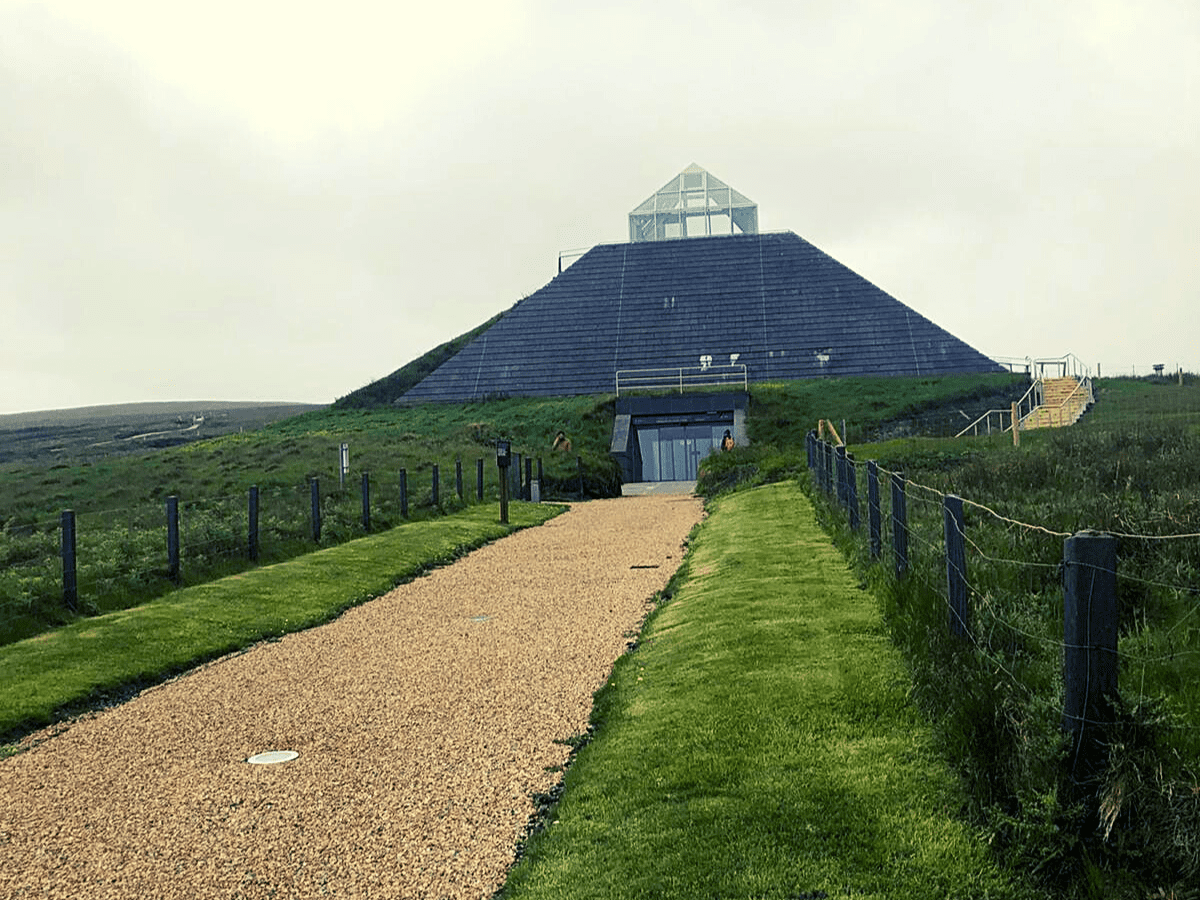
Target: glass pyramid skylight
(693,204)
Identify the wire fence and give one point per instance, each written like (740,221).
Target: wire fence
(1063,667)
(53,568)
(1012,571)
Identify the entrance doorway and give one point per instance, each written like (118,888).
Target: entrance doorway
(674,452)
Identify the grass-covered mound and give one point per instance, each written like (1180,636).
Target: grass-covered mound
(758,742)
(119,502)
(1128,468)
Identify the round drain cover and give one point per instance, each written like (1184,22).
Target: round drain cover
(273,756)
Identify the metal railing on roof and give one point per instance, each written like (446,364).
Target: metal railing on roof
(681,379)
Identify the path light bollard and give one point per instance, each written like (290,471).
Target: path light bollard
(458,482)
(479,479)
(528,494)
(404,493)
(503,459)
(436,487)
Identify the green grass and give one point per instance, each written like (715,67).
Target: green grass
(758,743)
(120,502)
(1128,467)
(105,656)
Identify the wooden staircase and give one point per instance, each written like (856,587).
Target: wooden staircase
(1064,400)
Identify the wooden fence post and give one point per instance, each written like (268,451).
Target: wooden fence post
(404,493)
(70,584)
(839,463)
(899,525)
(852,492)
(479,479)
(173,538)
(1016,425)
(366,501)
(458,485)
(314,491)
(956,565)
(436,486)
(874,524)
(252,524)
(1089,646)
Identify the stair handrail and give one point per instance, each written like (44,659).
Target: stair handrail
(1082,385)
(1030,395)
(1011,362)
(1071,366)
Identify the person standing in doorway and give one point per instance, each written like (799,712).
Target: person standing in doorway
(727,441)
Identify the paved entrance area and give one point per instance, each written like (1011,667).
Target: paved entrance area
(646,488)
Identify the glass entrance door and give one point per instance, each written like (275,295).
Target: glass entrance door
(673,452)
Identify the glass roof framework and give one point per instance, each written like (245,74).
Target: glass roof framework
(693,204)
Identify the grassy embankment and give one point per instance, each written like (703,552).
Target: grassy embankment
(103,658)
(758,743)
(996,700)
(120,502)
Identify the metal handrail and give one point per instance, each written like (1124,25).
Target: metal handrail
(681,378)
(1069,364)
(1012,362)
(1032,395)
(1035,395)
(1084,383)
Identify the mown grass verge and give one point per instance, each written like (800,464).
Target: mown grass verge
(758,742)
(104,658)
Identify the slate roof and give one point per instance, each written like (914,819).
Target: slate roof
(787,310)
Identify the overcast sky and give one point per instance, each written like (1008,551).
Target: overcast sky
(284,201)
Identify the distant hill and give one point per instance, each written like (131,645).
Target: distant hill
(90,432)
(389,388)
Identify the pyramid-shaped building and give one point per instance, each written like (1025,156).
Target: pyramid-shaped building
(771,303)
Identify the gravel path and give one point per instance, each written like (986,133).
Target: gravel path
(424,721)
